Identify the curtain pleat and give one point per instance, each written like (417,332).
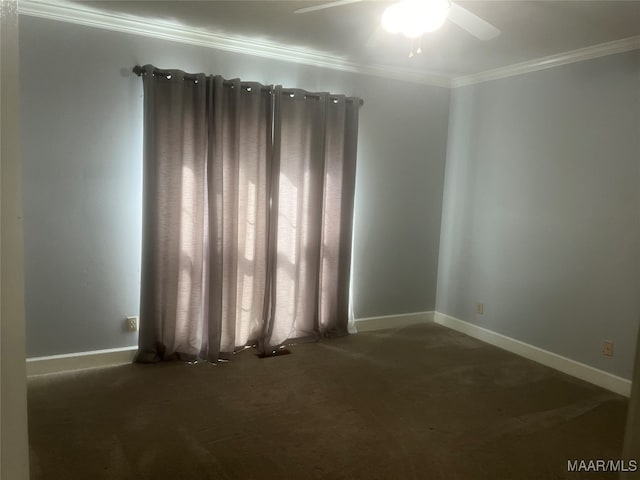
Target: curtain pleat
(174,192)
(239,143)
(248,206)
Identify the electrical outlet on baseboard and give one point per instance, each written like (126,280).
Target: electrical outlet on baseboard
(607,348)
(480,308)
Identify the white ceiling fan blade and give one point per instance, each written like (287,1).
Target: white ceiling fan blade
(322,6)
(472,23)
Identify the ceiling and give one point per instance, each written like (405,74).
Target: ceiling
(530,29)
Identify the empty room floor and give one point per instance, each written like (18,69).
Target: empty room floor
(420,402)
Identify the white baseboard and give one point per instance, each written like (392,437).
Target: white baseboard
(119,356)
(80,360)
(579,370)
(392,321)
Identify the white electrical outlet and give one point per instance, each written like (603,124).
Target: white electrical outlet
(480,308)
(132,323)
(607,348)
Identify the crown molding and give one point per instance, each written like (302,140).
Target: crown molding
(83,15)
(587,53)
(62,10)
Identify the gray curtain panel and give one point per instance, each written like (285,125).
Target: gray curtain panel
(247,206)
(315,139)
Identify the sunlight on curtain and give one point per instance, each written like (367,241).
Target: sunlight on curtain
(248,204)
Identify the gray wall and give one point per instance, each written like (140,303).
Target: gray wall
(82,132)
(540,216)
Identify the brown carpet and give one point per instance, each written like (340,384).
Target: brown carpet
(420,402)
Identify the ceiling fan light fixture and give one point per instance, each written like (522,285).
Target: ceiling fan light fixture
(413,18)
(393,18)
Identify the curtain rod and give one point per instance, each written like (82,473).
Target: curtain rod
(139,71)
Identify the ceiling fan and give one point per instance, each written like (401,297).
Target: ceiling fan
(413,18)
